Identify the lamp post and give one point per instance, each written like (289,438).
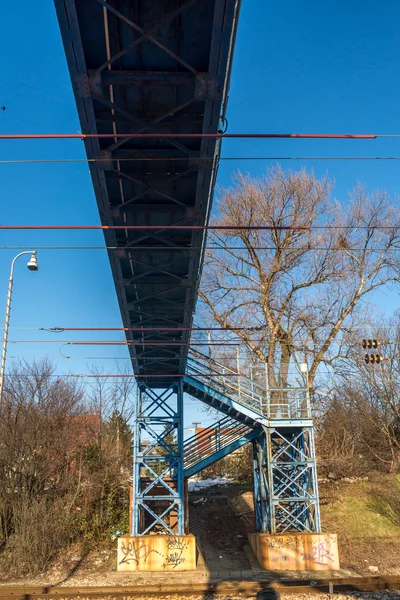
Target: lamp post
(32,266)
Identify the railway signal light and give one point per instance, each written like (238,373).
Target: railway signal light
(376,358)
(373,358)
(373,344)
(370,344)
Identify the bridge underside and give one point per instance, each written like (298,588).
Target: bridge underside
(152,66)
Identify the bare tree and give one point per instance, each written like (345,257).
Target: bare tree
(300,287)
(37,428)
(374,394)
(108,397)
(57,483)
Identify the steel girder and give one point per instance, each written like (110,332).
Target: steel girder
(152,66)
(158,502)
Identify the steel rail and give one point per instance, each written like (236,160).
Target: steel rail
(293,586)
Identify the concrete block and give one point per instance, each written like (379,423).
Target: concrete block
(156,553)
(223,574)
(247,573)
(296,551)
(235,574)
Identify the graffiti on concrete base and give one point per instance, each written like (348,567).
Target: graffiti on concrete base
(318,551)
(282,542)
(320,554)
(135,551)
(176,548)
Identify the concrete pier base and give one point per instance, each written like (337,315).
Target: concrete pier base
(296,551)
(156,553)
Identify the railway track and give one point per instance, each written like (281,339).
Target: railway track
(292,586)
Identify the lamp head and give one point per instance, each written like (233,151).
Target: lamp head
(32,264)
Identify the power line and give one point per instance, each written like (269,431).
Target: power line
(145,329)
(192,227)
(188,248)
(122,343)
(182,158)
(154,227)
(133,375)
(88,136)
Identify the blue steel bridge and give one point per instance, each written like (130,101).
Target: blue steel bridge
(163,66)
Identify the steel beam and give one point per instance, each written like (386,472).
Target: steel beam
(148,78)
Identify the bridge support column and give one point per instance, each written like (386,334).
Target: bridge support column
(287,502)
(158,497)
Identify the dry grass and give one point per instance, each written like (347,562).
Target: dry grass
(364,516)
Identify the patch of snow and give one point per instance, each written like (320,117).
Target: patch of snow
(202,500)
(194,485)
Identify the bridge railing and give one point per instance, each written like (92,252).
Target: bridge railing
(274,403)
(226,380)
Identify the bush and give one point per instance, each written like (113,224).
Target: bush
(386,500)
(64,467)
(42,528)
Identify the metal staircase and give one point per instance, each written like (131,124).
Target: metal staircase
(278,422)
(210,444)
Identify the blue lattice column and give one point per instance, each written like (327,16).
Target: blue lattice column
(157,541)
(292,480)
(285,481)
(158,485)
(262,503)
(286,488)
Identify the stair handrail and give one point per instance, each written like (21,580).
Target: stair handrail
(242,375)
(250,393)
(254,391)
(212,439)
(229,427)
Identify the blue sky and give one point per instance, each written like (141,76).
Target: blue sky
(299,67)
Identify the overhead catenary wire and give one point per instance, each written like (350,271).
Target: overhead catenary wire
(182,158)
(157,135)
(153,227)
(188,248)
(227,330)
(329,372)
(145,329)
(161,228)
(232,357)
(120,343)
(133,376)
(128,375)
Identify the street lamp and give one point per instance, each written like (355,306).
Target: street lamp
(32,266)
